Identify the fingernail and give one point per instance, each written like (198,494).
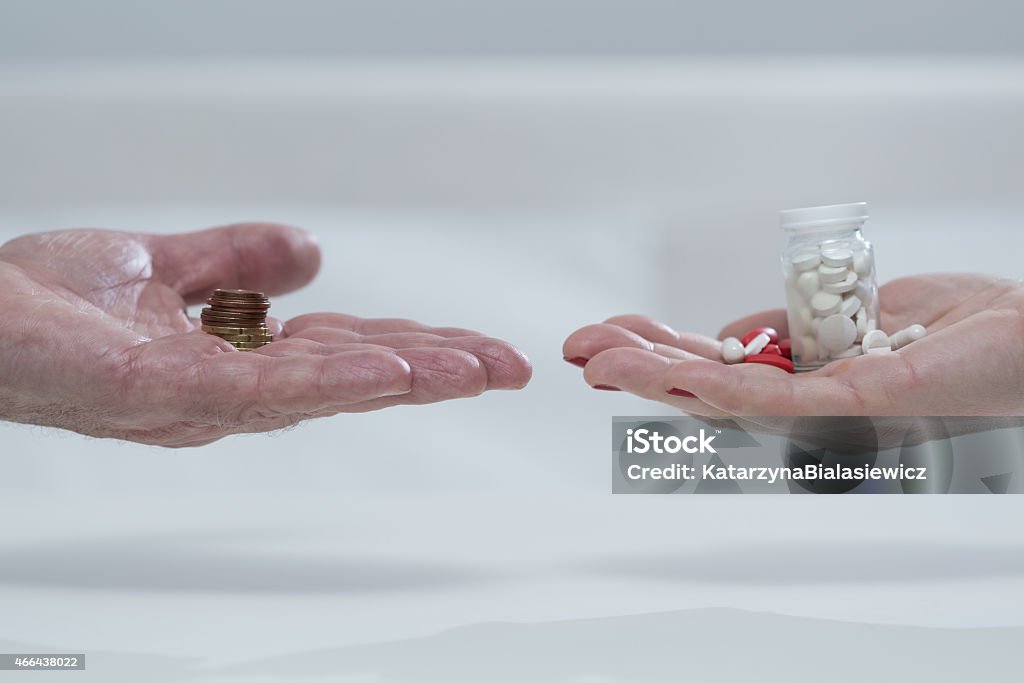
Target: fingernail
(578,360)
(682,392)
(605,387)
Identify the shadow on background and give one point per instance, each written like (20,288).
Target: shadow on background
(699,645)
(206,563)
(811,562)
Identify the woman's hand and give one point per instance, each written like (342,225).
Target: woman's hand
(971,362)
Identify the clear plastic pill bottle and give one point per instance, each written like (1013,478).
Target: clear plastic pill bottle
(831,290)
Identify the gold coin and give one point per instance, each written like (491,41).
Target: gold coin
(233,322)
(239,306)
(224,313)
(261,338)
(248,345)
(255,327)
(218,330)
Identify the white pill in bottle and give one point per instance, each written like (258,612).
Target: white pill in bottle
(830,269)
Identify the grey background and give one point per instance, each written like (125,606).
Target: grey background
(123,29)
(571,162)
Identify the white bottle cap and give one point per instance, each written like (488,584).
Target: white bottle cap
(817,217)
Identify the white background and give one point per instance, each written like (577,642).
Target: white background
(563,191)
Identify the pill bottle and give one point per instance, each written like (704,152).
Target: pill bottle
(831,291)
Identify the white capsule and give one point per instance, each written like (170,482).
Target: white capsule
(847,284)
(874,340)
(732,350)
(808,283)
(806,260)
(825,303)
(757,344)
(836,333)
(850,306)
(861,264)
(837,257)
(832,273)
(907,335)
(851,352)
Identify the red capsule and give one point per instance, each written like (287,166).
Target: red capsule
(785,348)
(772,349)
(781,362)
(773,336)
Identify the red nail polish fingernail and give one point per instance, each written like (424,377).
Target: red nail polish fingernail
(578,360)
(605,387)
(682,392)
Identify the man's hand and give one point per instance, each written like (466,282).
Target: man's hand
(971,362)
(95,337)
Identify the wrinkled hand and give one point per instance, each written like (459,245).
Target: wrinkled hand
(96,338)
(971,362)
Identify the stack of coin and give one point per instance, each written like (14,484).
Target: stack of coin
(238,316)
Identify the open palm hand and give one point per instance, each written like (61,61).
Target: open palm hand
(96,338)
(971,362)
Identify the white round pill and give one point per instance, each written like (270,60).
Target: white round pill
(837,257)
(806,260)
(851,352)
(825,303)
(850,306)
(757,344)
(863,292)
(808,283)
(861,265)
(847,284)
(907,335)
(836,333)
(832,273)
(875,339)
(732,350)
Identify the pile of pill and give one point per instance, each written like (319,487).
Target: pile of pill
(762,345)
(832,295)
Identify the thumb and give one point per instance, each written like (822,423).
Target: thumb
(266,257)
